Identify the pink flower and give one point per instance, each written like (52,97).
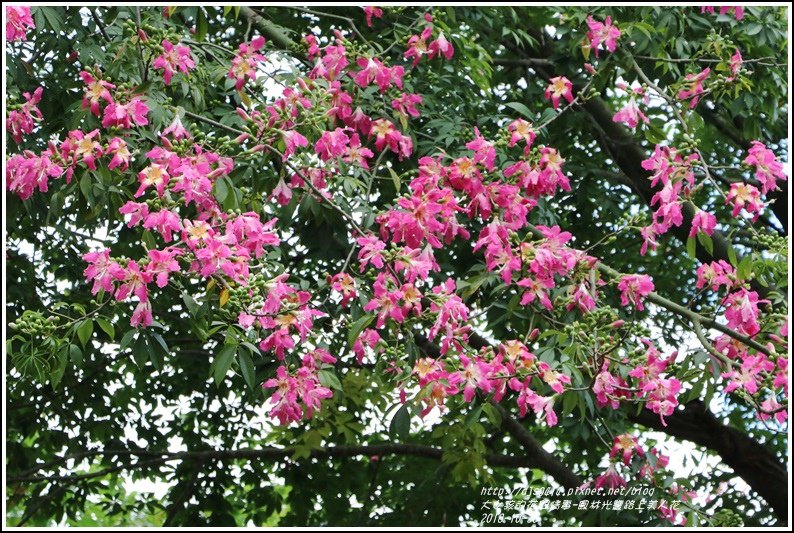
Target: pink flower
(484,151)
(608,389)
(24,119)
(331,144)
(738,11)
(610,479)
(474,376)
(176,129)
(373,69)
(292,141)
(355,154)
(555,380)
(124,116)
(768,168)
(716,273)
(662,396)
(417,46)
(630,115)
(626,445)
(96,90)
(174,57)
(27,171)
(165,221)
(371,252)
(747,377)
(285,398)
(747,197)
(370,338)
(649,234)
(154,175)
(142,315)
(694,88)
(137,211)
(741,311)
(634,288)
(559,87)
(345,285)
(735,66)
(134,281)
(770,408)
(81,147)
(441,46)
(386,302)
(161,264)
(117,148)
(406,104)
(245,63)
(18,22)
(370,12)
(703,221)
(605,33)
(521,130)
(386,135)
(104,271)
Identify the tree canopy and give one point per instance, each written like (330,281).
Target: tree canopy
(396,266)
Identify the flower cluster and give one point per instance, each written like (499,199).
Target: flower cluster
(738,11)
(421,45)
(174,57)
(18,22)
(693,89)
(676,175)
(604,33)
(768,169)
(630,114)
(23,120)
(302,386)
(245,63)
(659,393)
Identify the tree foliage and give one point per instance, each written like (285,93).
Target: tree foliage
(340,266)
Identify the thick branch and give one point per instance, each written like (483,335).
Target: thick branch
(748,458)
(272,454)
(547,462)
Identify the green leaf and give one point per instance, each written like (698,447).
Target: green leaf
(400,425)
(190,303)
(141,350)
(107,327)
(84,331)
(493,414)
(474,415)
(126,339)
(221,190)
(744,268)
(247,368)
(395,179)
(706,242)
(75,354)
(158,350)
(328,379)
(59,366)
(54,18)
(357,327)
(732,256)
(521,108)
(223,361)
(201,25)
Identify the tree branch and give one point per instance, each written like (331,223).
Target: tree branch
(748,458)
(269,453)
